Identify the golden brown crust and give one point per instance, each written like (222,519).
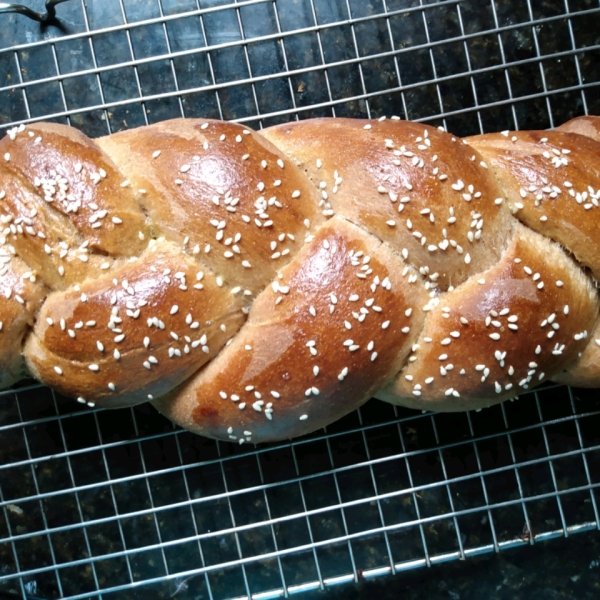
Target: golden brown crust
(526,318)
(77,181)
(232,198)
(423,191)
(372,257)
(135,333)
(49,243)
(21,294)
(318,343)
(547,177)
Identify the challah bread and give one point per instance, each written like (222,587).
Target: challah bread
(258,286)
(302,359)
(21,295)
(517,315)
(213,176)
(114,343)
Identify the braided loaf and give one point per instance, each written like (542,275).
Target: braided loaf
(258,286)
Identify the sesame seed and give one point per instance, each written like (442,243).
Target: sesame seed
(93,367)
(58,370)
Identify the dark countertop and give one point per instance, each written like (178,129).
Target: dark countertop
(512,82)
(565,569)
(542,93)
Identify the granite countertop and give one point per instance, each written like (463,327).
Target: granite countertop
(565,569)
(568,569)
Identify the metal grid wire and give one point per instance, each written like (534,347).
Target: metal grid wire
(103,504)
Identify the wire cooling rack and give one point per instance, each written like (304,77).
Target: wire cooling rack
(120,504)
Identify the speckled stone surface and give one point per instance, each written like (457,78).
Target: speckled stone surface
(446,59)
(125,487)
(567,569)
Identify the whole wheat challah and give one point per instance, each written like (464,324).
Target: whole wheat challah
(258,286)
